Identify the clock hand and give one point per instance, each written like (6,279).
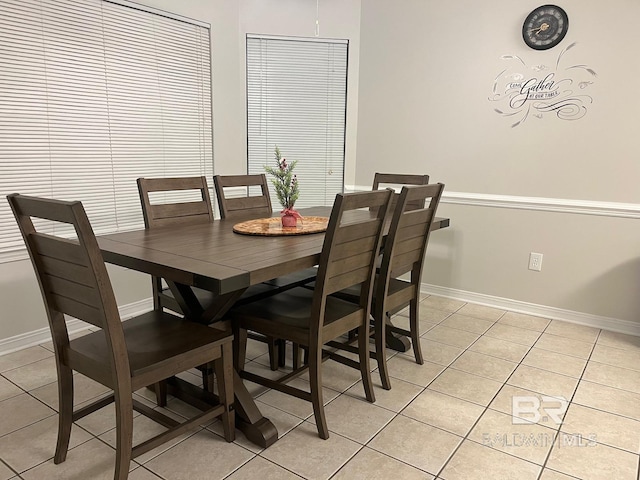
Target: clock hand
(541,28)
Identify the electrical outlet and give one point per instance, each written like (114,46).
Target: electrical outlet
(535,261)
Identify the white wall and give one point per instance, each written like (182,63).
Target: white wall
(426,72)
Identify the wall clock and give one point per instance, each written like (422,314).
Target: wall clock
(545,27)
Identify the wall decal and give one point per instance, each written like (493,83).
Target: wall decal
(541,90)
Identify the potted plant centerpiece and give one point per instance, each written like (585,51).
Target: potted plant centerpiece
(287,190)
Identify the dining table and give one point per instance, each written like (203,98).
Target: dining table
(211,256)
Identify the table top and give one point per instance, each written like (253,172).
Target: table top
(211,256)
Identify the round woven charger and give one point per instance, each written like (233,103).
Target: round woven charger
(272,227)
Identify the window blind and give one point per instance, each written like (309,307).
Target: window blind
(93,95)
(296,99)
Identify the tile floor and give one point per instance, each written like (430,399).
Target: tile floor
(484,405)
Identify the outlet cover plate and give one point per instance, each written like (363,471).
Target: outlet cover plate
(535,261)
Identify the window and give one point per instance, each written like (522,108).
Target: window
(296,99)
(94,94)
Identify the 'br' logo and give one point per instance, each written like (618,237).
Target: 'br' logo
(533,409)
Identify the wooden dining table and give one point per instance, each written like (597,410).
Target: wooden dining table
(212,257)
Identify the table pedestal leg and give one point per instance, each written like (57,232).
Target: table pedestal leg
(396,342)
(249,420)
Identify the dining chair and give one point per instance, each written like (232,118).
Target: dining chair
(394,180)
(310,318)
(248,206)
(165,210)
(257,206)
(169,211)
(397,283)
(123,356)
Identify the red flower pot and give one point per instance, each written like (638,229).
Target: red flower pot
(289,220)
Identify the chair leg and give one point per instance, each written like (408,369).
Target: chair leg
(381,351)
(161,393)
(414,326)
(305,358)
(296,355)
(65,415)
(365,371)
(207,378)
(239,348)
(273,353)
(124,434)
(224,373)
(282,352)
(315,378)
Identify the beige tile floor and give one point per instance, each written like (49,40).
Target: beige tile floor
(451,418)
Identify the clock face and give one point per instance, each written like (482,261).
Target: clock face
(545,27)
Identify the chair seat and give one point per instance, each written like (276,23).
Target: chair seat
(152,339)
(291,308)
(399,293)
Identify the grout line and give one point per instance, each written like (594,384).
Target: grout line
(569,404)
(10,468)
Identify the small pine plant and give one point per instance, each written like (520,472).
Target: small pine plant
(284,181)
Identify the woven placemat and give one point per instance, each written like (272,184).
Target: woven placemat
(272,227)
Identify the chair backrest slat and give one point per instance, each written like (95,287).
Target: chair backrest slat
(356,231)
(399,179)
(56,210)
(348,264)
(59,248)
(166,184)
(243,206)
(344,250)
(76,292)
(409,245)
(181,212)
(348,279)
(56,267)
(175,213)
(85,312)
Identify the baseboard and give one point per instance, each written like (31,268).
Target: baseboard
(36,337)
(606,323)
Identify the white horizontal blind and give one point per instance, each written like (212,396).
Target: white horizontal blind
(296,99)
(94,95)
